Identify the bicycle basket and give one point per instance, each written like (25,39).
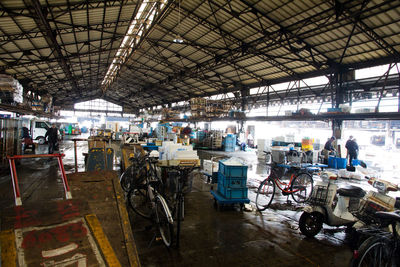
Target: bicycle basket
(319,195)
(367,210)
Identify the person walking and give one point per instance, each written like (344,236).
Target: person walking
(52,134)
(352,150)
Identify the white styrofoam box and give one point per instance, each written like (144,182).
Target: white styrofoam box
(185,155)
(210,166)
(278,154)
(345,107)
(169,150)
(315,157)
(290,138)
(288,113)
(279,138)
(263,145)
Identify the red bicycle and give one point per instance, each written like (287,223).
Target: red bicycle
(300,185)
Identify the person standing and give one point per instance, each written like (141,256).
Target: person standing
(52,134)
(329,144)
(26,139)
(347,144)
(328,149)
(352,150)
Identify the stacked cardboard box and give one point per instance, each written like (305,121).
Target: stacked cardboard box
(10,89)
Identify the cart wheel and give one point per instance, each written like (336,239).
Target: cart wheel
(241,206)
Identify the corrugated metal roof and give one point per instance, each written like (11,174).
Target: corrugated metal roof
(227,45)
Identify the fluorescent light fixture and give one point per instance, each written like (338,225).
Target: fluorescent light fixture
(143,19)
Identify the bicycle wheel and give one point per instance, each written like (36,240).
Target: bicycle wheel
(265,194)
(375,251)
(165,227)
(301,188)
(126,179)
(139,201)
(179,218)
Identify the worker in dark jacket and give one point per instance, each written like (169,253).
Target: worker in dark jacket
(328,149)
(52,135)
(352,149)
(328,145)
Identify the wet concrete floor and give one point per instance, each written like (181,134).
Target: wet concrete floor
(230,237)
(209,237)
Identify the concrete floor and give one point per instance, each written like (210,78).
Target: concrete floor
(229,237)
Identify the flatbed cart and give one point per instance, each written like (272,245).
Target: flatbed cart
(220,200)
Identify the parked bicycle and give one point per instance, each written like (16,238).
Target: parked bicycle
(137,170)
(300,185)
(382,248)
(144,199)
(180,178)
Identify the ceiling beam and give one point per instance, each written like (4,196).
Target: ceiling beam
(36,11)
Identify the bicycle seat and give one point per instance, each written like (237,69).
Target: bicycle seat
(351,191)
(392,216)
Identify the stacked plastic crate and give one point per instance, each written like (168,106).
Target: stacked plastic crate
(216,139)
(232,179)
(230,143)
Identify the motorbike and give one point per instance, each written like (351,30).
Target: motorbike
(348,206)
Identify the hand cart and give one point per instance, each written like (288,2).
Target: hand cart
(220,201)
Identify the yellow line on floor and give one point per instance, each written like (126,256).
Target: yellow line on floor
(8,250)
(125,224)
(102,240)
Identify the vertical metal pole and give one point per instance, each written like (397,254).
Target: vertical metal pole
(267,100)
(76,157)
(64,177)
(14,178)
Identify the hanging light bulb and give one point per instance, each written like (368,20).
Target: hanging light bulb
(178,39)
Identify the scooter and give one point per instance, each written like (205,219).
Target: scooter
(323,208)
(353,207)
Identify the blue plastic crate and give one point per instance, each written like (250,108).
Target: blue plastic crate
(337,163)
(341,163)
(232,171)
(150,148)
(230,142)
(236,182)
(356,162)
(230,148)
(230,193)
(332,162)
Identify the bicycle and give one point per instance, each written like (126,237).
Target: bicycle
(382,248)
(131,173)
(182,182)
(144,199)
(300,186)
(134,172)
